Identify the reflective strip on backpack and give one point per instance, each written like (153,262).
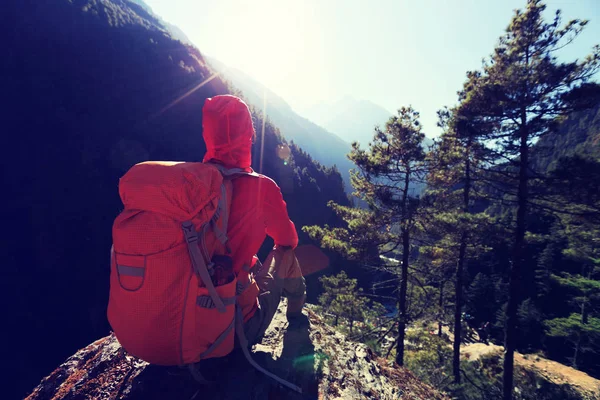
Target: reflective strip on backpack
(130,271)
(199,264)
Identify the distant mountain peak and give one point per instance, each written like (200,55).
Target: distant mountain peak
(350,118)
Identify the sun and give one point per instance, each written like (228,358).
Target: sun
(270,40)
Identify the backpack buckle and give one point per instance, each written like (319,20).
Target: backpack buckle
(190,233)
(191,238)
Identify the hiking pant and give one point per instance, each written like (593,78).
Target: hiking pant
(280,275)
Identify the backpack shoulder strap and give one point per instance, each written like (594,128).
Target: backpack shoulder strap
(222,213)
(232,173)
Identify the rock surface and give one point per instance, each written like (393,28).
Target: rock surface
(307,352)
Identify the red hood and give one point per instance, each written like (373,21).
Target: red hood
(228,131)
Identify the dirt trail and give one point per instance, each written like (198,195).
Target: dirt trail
(551,370)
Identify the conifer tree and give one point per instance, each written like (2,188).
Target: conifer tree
(385,181)
(511,102)
(453,165)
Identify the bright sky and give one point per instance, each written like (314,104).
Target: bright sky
(391,52)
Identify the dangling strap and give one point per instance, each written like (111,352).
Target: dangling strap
(239,322)
(199,264)
(197,375)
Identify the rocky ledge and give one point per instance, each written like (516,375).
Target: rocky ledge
(307,352)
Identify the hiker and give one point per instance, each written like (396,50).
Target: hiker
(185,280)
(257,209)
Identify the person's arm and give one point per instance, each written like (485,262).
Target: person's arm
(277,221)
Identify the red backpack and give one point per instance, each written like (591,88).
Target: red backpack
(163,305)
(173,294)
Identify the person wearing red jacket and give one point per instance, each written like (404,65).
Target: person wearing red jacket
(257,209)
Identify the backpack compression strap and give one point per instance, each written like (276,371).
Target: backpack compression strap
(199,264)
(199,260)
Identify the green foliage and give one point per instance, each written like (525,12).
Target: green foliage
(573,327)
(481,299)
(531,326)
(428,357)
(343,299)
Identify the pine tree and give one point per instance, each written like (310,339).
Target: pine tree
(511,102)
(334,287)
(385,182)
(573,188)
(454,161)
(582,336)
(342,298)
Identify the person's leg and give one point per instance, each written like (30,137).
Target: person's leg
(280,275)
(294,288)
(268,302)
(288,272)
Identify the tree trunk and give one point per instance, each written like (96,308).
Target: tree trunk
(402,317)
(459,271)
(458,309)
(517,261)
(577,347)
(584,309)
(441,308)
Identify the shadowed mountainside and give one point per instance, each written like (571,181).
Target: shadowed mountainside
(94,87)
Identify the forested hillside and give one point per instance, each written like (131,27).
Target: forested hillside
(92,87)
(504,245)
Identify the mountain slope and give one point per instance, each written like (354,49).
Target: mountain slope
(315,357)
(554,372)
(174,30)
(324,146)
(350,119)
(92,88)
(578,134)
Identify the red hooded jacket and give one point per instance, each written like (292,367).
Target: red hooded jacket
(257,206)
